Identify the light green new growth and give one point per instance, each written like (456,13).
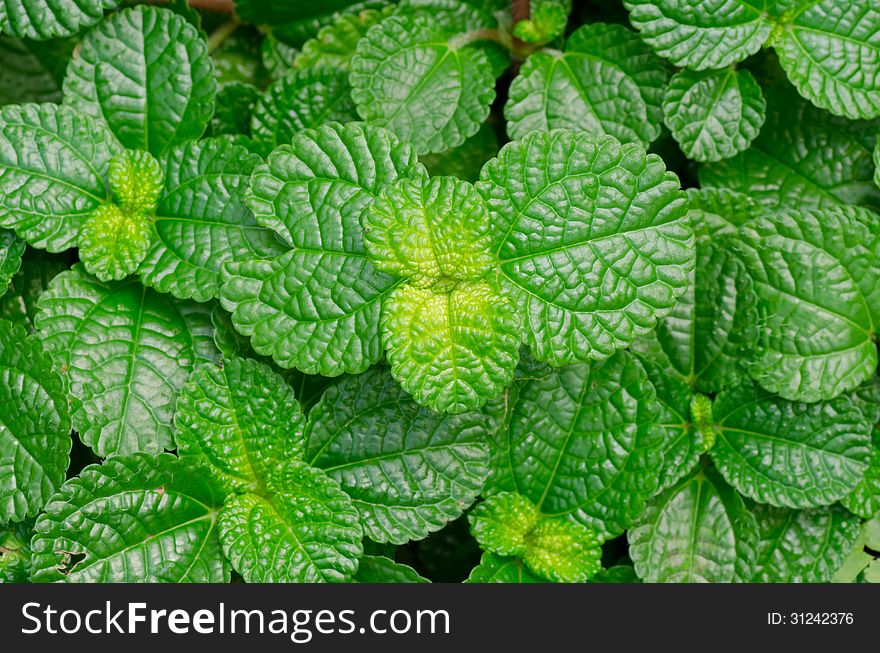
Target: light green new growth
(704,423)
(135,178)
(113,242)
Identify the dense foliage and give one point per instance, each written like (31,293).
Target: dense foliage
(440,290)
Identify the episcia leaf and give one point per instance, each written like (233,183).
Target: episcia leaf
(714,114)
(434,233)
(34,425)
(408,470)
(379,569)
(126,351)
(46,19)
(317,307)
(701,35)
(113,242)
(803,546)
(239,420)
(815,274)
(497,569)
(606,82)
(864,500)
(203,221)
(30,70)
(19,303)
(697,531)
(594,241)
(300,100)
(451,350)
(831,54)
(135,518)
(53,163)
(305,530)
(803,157)
(11,250)
(335,44)
(582,441)
(410,75)
(789,454)
(466,160)
(146,71)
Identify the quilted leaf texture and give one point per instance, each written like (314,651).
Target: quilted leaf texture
(334,44)
(594,242)
(126,351)
(790,454)
(47,19)
(146,71)
(699,531)
(498,569)
(864,500)
(34,425)
(19,303)
(53,164)
(815,275)
(113,242)
(379,569)
(203,220)
(317,307)
(133,519)
(408,470)
(606,82)
(407,75)
(11,250)
(30,72)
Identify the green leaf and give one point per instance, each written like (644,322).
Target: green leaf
(831,54)
(410,76)
(864,500)
(698,531)
(53,161)
(15,552)
(408,470)
(300,100)
(11,250)
(495,569)
(547,20)
(379,569)
(803,546)
(126,352)
(606,82)
(29,70)
(452,351)
(304,531)
(317,307)
(46,19)
(146,71)
(562,551)
(203,221)
(34,425)
(431,232)
(704,34)
(714,114)
(803,157)
(502,522)
(815,275)
(335,44)
(790,454)
(135,178)
(582,441)
(240,420)
(466,160)
(113,242)
(877,163)
(235,105)
(594,241)
(19,304)
(134,519)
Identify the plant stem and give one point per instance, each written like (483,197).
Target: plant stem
(221,6)
(219,36)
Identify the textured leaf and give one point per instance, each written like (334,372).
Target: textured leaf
(831,53)
(28,73)
(19,303)
(203,221)
(335,44)
(126,351)
(815,275)
(495,569)
(466,160)
(700,34)
(714,114)
(864,500)
(594,241)
(34,425)
(15,552)
(698,531)
(146,71)
(136,179)
(240,420)
(408,76)
(790,454)
(11,250)
(379,569)
(452,351)
(235,104)
(408,470)
(300,100)
(317,307)
(113,242)
(52,166)
(431,232)
(606,82)
(582,441)
(803,157)
(502,522)
(306,530)
(46,19)
(803,546)
(562,551)
(134,519)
